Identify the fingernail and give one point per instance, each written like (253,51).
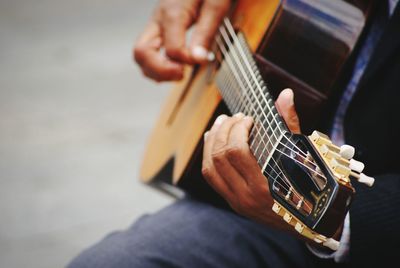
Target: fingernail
(248,119)
(210,56)
(289,94)
(199,53)
(238,115)
(220,119)
(206,135)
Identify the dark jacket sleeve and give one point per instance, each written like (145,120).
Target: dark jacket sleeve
(372,126)
(375,221)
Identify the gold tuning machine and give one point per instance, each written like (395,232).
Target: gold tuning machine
(340,160)
(303,229)
(362,178)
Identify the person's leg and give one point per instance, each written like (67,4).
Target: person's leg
(193,234)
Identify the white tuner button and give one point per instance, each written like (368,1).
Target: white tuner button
(347,151)
(356,165)
(366,180)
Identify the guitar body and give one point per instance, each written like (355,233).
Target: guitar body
(284,43)
(192,105)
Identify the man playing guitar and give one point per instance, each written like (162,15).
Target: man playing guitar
(190,233)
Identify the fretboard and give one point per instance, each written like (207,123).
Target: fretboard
(243,90)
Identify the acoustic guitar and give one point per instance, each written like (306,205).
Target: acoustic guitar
(301,44)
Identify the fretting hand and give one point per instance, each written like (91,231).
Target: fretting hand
(232,170)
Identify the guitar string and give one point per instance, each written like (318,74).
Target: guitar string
(231,45)
(269,140)
(227,57)
(246,61)
(227,77)
(266,119)
(246,108)
(277,176)
(249,84)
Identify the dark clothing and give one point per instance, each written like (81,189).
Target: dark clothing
(192,234)
(372,125)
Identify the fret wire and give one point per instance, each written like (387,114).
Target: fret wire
(290,186)
(248,53)
(236,87)
(281,172)
(278,175)
(273,130)
(231,45)
(232,48)
(229,28)
(260,135)
(232,84)
(256,114)
(264,148)
(228,60)
(242,95)
(270,126)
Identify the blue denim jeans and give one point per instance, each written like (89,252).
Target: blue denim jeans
(189,233)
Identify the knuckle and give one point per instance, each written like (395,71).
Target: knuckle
(206,171)
(139,52)
(220,6)
(152,75)
(219,143)
(173,51)
(246,203)
(236,152)
(264,190)
(294,119)
(173,13)
(218,158)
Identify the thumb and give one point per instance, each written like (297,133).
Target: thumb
(211,14)
(286,108)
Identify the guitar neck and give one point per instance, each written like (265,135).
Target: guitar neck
(243,90)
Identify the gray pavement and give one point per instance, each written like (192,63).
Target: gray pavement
(75,113)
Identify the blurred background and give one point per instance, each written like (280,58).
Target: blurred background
(75,113)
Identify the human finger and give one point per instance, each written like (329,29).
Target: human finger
(240,155)
(176,17)
(286,108)
(220,149)
(147,54)
(208,169)
(211,14)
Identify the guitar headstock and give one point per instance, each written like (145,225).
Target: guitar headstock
(309,178)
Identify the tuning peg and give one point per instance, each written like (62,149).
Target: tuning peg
(276,208)
(287,217)
(347,151)
(329,151)
(356,165)
(362,178)
(340,167)
(367,180)
(320,138)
